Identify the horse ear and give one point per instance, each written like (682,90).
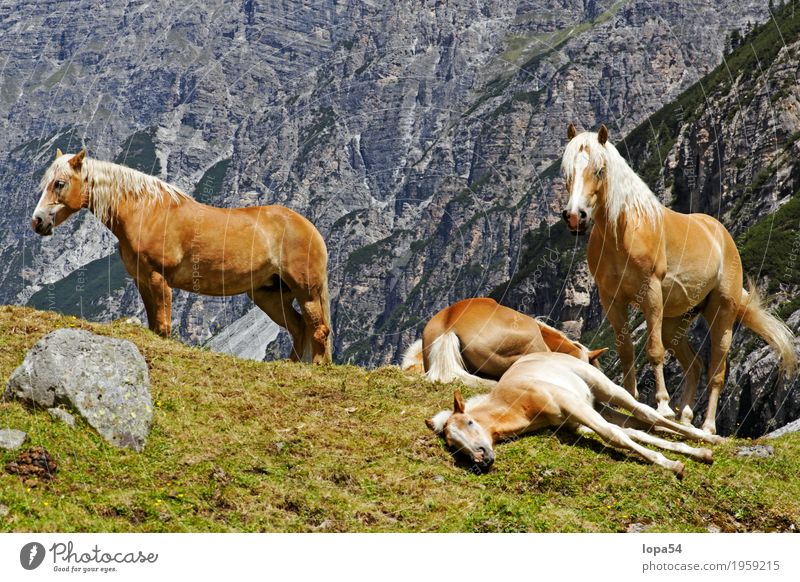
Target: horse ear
(77,160)
(602,135)
(594,354)
(571,131)
(58,153)
(458,402)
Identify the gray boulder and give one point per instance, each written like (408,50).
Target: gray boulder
(63,416)
(103,379)
(11,439)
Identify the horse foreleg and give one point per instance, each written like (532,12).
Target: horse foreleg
(652,305)
(581,412)
(278,307)
(157,298)
(674,335)
(617,314)
(699,454)
(720,316)
(317,330)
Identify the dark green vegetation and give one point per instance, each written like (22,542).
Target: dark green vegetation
(239,445)
(139,152)
(83,291)
(210,185)
(646,146)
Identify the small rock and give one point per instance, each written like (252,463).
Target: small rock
(713,529)
(3,510)
(63,416)
(350,409)
(636,527)
(11,438)
(326,524)
(279,445)
(132,320)
(35,462)
(755,451)
(438,479)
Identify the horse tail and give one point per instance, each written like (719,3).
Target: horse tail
(777,334)
(325,303)
(413,362)
(446,363)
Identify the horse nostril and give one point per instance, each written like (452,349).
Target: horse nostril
(565,215)
(36,222)
(583,214)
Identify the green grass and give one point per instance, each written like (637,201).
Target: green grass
(247,446)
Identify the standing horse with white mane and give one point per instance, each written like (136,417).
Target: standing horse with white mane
(167,239)
(671,266)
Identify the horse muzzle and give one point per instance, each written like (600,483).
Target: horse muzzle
(578,223)
(42,227)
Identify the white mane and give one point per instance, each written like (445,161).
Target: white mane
(107,184)
(626,190)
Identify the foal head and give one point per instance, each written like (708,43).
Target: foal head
(584,168)
(62,193)
(463,434)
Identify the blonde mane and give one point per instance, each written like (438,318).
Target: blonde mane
(107,184)
(626,190)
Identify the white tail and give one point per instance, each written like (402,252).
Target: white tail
(412,359)
(754,315)
(447,365)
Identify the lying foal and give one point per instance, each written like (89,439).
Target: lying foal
(552,389)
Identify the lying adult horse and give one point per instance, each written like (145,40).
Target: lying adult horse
(477,340)
(670,265)
(167,239)
(556,390)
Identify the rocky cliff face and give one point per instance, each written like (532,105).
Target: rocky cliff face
(417,136)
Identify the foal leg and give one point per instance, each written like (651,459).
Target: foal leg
(606,392)
(582,412)
(720,314)
(653,308)
(674,334)
(278,306)
(699,454)
(617,314)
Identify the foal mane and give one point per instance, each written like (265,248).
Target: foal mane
(107,184)
(626,190)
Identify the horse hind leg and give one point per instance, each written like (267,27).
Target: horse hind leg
(720,314)
(277,304)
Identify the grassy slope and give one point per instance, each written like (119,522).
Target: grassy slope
(240,445)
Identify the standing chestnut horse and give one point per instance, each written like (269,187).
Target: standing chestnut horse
(671,266)
(167,239)
(477,340)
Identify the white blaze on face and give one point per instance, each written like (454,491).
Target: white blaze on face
(577,198)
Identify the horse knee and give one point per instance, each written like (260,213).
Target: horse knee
(321,333)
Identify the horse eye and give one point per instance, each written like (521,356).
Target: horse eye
(471,423)
(60,184)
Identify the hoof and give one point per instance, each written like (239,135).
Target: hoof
(687,416)
(678,470)
(665,411)
(706,456)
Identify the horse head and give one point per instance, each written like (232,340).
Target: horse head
(463,434)
(585,175)
(62,193)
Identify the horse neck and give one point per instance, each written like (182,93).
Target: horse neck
(498,419)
